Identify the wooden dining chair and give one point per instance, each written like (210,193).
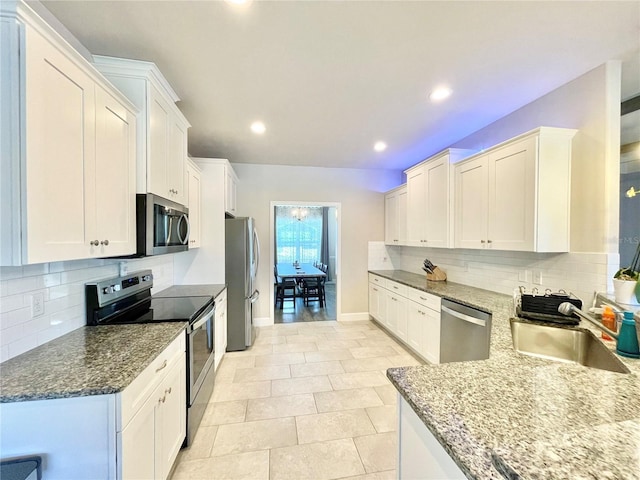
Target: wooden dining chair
(281,287)
(313,290)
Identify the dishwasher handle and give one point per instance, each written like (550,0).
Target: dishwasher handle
(462,316)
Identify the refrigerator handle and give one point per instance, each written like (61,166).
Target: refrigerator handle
(256,242)
(254,296)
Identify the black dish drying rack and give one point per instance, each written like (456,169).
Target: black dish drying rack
(543,307)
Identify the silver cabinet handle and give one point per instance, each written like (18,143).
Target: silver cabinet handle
(95,243)
(488,241)
(105,243)
(164,364)
(481,241)
(168,391)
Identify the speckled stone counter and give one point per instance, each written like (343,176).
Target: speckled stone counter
(192,290)
(88,361)
(519,417)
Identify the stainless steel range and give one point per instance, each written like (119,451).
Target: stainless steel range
(125,300)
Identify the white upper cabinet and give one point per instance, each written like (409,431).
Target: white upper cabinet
(115,173)
(516,196)
(471,203)
(162,129)
(230,190)
(68,150)
(429,209)
(194,194)
(395,216)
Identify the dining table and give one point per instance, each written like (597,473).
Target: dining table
(298,271)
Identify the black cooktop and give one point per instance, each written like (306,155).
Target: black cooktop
(167,309)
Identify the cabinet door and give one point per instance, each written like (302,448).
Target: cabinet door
(177,160)
(220,328)
(471,204)
(437,203)
(511,201)
(115,169)
(415,321)
(416,191)
(170,418)
(391,219)
(194,195)
(60,153)
(374,301)
(230,192)
(401,317)
(392,302)
(402,216)
(159,131)
(431,335)
(137,442)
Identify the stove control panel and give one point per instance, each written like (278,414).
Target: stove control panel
(108,291)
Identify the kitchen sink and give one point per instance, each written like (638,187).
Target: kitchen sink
(570,345)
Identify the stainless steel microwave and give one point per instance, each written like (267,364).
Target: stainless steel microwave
(162,225)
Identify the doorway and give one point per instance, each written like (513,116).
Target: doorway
(305,235)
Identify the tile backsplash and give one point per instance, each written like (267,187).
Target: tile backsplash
(501,271)
(61,285)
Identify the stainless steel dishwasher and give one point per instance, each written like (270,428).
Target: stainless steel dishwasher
(464,333)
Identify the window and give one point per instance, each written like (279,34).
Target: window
(298,234)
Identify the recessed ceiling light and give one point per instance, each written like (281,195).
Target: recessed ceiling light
(238,2)
(258,127)
(380,146)
(440,93)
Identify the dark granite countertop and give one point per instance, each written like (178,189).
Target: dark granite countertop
(192,290)
(521,417)
(87,361)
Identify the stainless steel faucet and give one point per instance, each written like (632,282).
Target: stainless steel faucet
(567,309)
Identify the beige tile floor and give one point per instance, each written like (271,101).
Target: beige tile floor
(308,401)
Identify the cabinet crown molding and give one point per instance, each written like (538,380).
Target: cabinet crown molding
(23,13)
(136,68)
(455,155)
(567,133)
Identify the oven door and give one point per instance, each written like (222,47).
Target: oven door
(201,351)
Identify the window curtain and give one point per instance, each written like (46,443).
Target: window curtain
(324,246)
(298,236)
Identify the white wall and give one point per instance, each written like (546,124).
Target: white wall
(62,285)
(362,205)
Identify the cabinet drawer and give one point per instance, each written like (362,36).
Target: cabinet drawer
(134,396)
(376,280)
(424,298)
(397,288)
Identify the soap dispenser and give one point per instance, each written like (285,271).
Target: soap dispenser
(628,338)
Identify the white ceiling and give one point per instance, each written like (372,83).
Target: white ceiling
(329,79)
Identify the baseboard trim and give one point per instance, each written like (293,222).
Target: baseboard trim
(262,322)
(353,317)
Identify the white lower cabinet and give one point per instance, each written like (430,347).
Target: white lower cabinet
(150,440)
(420,455)
(220,328)
(135,434)
(409,314)
(396,315)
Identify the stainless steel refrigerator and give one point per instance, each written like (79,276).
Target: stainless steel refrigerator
(242,257)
